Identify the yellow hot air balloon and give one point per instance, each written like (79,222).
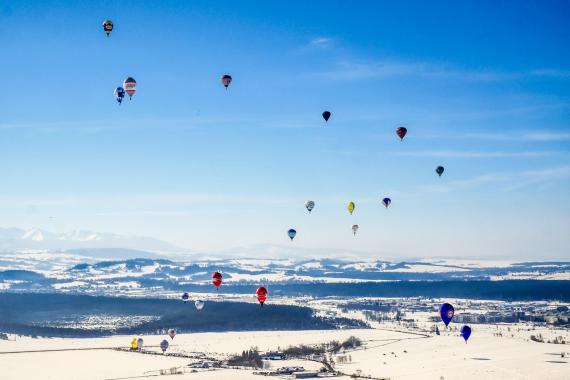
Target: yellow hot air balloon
(351,207)
(134,345)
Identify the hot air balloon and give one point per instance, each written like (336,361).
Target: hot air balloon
(171,333)
(261,295)
(439,170)
(199,305)
(446,312)
(351,206)
(226,80)
(134,344)
(310,205)
(140,343)
(108,27)
(130,85)
(164,345)
(119,94)
(292,233)
(217,279)
(386,202)
(354,229)
(465,332)
(401,132)
(326,116)
(185,297)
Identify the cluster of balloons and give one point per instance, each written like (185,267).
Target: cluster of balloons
(164,344)
(310,205)
(446,312)
(217,279)
(129,87)
(137,344)
(199,304)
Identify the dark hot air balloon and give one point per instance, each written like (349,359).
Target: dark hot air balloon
(446,311)
(439,170)
(119,94)
(386,202)
(292,233)
(465,332)
(226,80)
(164,345)
(108,27)
(326,116)
(401,132)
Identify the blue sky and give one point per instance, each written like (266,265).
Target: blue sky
(483,88)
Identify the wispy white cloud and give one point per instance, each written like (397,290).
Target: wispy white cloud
(354,69)
(321,42)
(512,180)
(538,136)
(476,154)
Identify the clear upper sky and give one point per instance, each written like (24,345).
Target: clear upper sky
(483,88)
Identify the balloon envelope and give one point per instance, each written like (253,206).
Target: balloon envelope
(217,279)
(199,305)
(446,311)
(140,343)
(355,228)
(310,205)
(185,297)
(386,202)
(261,295)
(326,115)
(164,345)
(351,206)
(401,132)
(171,333)
(108,27)
(465,332)
(119,94)
(130,85)
(292,233)
(226,80)
(439,170)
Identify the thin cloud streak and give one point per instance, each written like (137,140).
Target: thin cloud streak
(475,154)
(526,136)
(357,69)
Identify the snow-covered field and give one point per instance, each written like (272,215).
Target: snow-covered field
(398,355)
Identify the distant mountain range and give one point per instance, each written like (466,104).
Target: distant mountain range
(16,239)
(135,272)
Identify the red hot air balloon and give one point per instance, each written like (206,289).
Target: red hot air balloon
(217,279)
(261,295)
(401,132)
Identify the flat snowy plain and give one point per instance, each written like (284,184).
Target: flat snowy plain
(384,354)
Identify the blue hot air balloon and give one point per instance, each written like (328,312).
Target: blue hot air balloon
(185,297)
(292,233)
(446,312)
(119,94)
(386,202)
(164,345)
(465,332)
